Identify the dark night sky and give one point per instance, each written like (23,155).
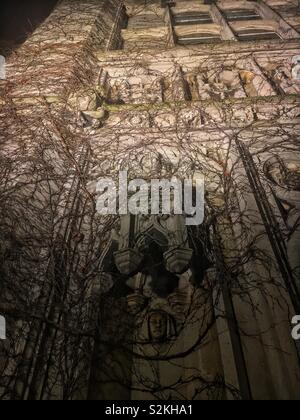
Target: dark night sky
(18,17)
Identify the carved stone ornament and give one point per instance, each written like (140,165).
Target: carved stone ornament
(136,302)
(178,300)
(296,68)
(104,283)
(177,260)
(161,326)
(284,172)
(128,260)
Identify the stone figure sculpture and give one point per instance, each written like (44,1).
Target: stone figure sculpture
(161,326)
(286,75)
(219,85)
(284,174)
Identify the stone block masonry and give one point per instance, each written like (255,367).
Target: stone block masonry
(60,52)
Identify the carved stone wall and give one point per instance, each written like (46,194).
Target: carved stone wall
(104,86)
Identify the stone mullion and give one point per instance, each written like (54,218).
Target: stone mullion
(226,32)
(169,23)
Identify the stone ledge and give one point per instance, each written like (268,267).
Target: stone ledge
(225,48)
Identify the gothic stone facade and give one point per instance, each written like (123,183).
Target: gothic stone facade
(144,307)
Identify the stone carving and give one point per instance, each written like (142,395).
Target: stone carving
(191,118)
(136,302)
(103,284)
(178,300)
(85,99)
(247,78)
(120,92)
(161,326)
(128,260)
(282,75)
(284,175)
(216,84)
(296,67)
(165,120)
(152,250)
(138,89)
(286,74)
(87,103)
(126,119)
(154,247)
(239,115)
(177,259)
(93,119)
(172,228)
(284,172)
(174,88)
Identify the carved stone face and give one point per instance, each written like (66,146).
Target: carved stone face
(158,326)
(286,174)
